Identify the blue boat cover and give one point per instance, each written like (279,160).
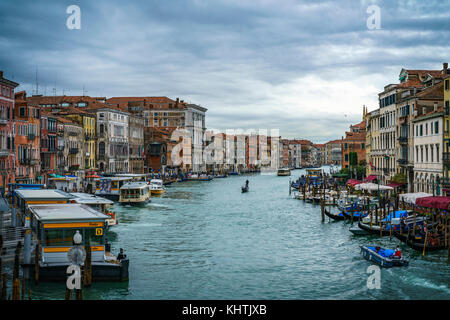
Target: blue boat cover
(387,253)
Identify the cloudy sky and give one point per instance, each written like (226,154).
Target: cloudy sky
(303,67)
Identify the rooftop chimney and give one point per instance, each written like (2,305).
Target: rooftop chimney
(445,68)
(1,73)
(435,106)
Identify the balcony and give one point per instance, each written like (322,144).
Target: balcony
(402,140)
(3,121)
(402,162)
(89,137)
(34,161)
(4,153)
(24,161)
(402,119)
(73,150)
(73,133)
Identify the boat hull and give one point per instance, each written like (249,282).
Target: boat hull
(385,262)
(101,271)
(372,230)
(334,216)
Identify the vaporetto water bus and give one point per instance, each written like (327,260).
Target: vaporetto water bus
(134,193)
(98,203)
(109,187)
(54,226)
(284,172)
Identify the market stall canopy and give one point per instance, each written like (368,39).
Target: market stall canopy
(353,182)
(372,187)
(395,184)
(434,202)
(371,178)
(412,197)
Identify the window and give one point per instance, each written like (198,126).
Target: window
(436,127)
(53,237)
(446,84)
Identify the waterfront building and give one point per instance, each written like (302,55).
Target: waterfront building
(428,146)
(74,107)
(7,141)
(446,136)
(48,145)
(136,142)
(27,140)
(112,143)
(295,154)
(333,152)
(355,142)
(389,127)
(318,154)
(73,144)
(196,126)
(417,87)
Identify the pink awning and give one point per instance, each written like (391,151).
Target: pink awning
(395,184)
(434,202)
(353,182)
(371,178)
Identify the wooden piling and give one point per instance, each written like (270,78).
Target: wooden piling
(68,294)
(37,257)
(79,294)
(16,289)
(87,279)
(4,279)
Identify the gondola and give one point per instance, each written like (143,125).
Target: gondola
(356,215)
(384,257)
(337,217)
(375,229)
(419,246)
(244,189)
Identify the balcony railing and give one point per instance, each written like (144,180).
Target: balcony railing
(4,153)
(3,121)
(403,139)
(402,161)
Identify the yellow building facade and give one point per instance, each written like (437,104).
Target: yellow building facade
(87,120)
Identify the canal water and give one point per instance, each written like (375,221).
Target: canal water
(207,240)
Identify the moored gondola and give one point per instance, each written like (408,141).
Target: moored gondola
(338,217)
(374,229)
(419,246)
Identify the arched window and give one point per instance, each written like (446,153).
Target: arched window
(101,148)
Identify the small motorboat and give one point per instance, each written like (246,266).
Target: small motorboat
(383,257)
(157,187)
